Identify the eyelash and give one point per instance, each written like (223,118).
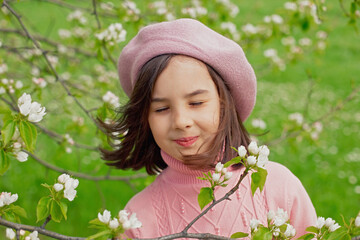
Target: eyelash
(166,108)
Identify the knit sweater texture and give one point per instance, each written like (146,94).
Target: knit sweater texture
(170,202)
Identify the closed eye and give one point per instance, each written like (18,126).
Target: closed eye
(196,103)
(161,109)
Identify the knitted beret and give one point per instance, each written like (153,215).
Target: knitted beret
(191,38)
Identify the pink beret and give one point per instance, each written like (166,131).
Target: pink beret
(192,38)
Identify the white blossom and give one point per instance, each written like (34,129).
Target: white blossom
(219,166)
(24,104)
(334,227)
(2,90)
(131,6)
(270,215)
(64,33)
(329,222)
(21,156)
(33,236)
(262,161)
(77,15)
(290,231)
(113,224)
(254,223)
(320,222)
(242,151)
(123,216)
(6,198)
(276,232)
(63,178)
(19,84)
(321,35)
(10,234)
(253,148)
(113,34)
(105,217)
(133,222)
(281,217)
(216,177)
(37,112)
(231,27)
(111,98)
(39,81)
(290,6)
(17,145)
(22,232)
(297,117)
(250,29)
(3,68)
(357,221)
(258,123)
(288,41)
(251,160)
(305,42)
(264,151)
(270,53)
(69,194)
(58,187)
(228,175)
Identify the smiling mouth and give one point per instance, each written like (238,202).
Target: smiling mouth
(186,142)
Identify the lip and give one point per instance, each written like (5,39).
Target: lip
(186,142)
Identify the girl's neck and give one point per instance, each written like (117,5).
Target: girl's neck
(178,172)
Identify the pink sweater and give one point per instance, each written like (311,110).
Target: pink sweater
(170,202)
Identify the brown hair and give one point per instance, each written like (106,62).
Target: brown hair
(138,148)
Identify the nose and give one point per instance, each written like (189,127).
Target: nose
(181,119)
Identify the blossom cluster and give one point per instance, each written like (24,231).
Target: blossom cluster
(6,198)
(258,123)
(221,172)
(231,27)
(357,221)
(68,184)
(313,130)
(10,85)
(70,141)
(33,110)
(162,9)
(10,234)
(328,223)
(131,7)
(115,33)
(78,16)
(304,7)
(257,156)
(122,219)
(195,11)
(233,8)
(111,98)
(272,54)
(278,224)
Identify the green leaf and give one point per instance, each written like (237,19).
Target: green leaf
(307,236)
(8,131)
(4,162)
(55,211)
(205,197)
(233,161)
(312,229)
(258,180)
(42,209)
(28,134)
(18,210)
(262,233)
(239,235)
(64,209)
(100,234)
(96,221)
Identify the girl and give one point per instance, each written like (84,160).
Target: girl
(190,89)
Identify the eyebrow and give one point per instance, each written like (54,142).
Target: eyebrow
(189,95)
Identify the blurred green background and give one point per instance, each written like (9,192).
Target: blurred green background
(312,84)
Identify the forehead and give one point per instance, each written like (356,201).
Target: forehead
(183,74)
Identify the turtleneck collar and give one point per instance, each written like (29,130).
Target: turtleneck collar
(178,172)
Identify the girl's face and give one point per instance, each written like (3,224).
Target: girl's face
(185,108)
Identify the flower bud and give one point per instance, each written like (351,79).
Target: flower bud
(290,231)
(254,223)
(320,222)
(270,215)
(63,178)
(276,232)
(242,151)
(264,151)
(329,222)
(58,187)
(216,177)
(22,232)
(219,166)
(334,227)
(251,160)
(228,175)
(253,148)
(10,234)
(113,224)
(357,221)
(105,217)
